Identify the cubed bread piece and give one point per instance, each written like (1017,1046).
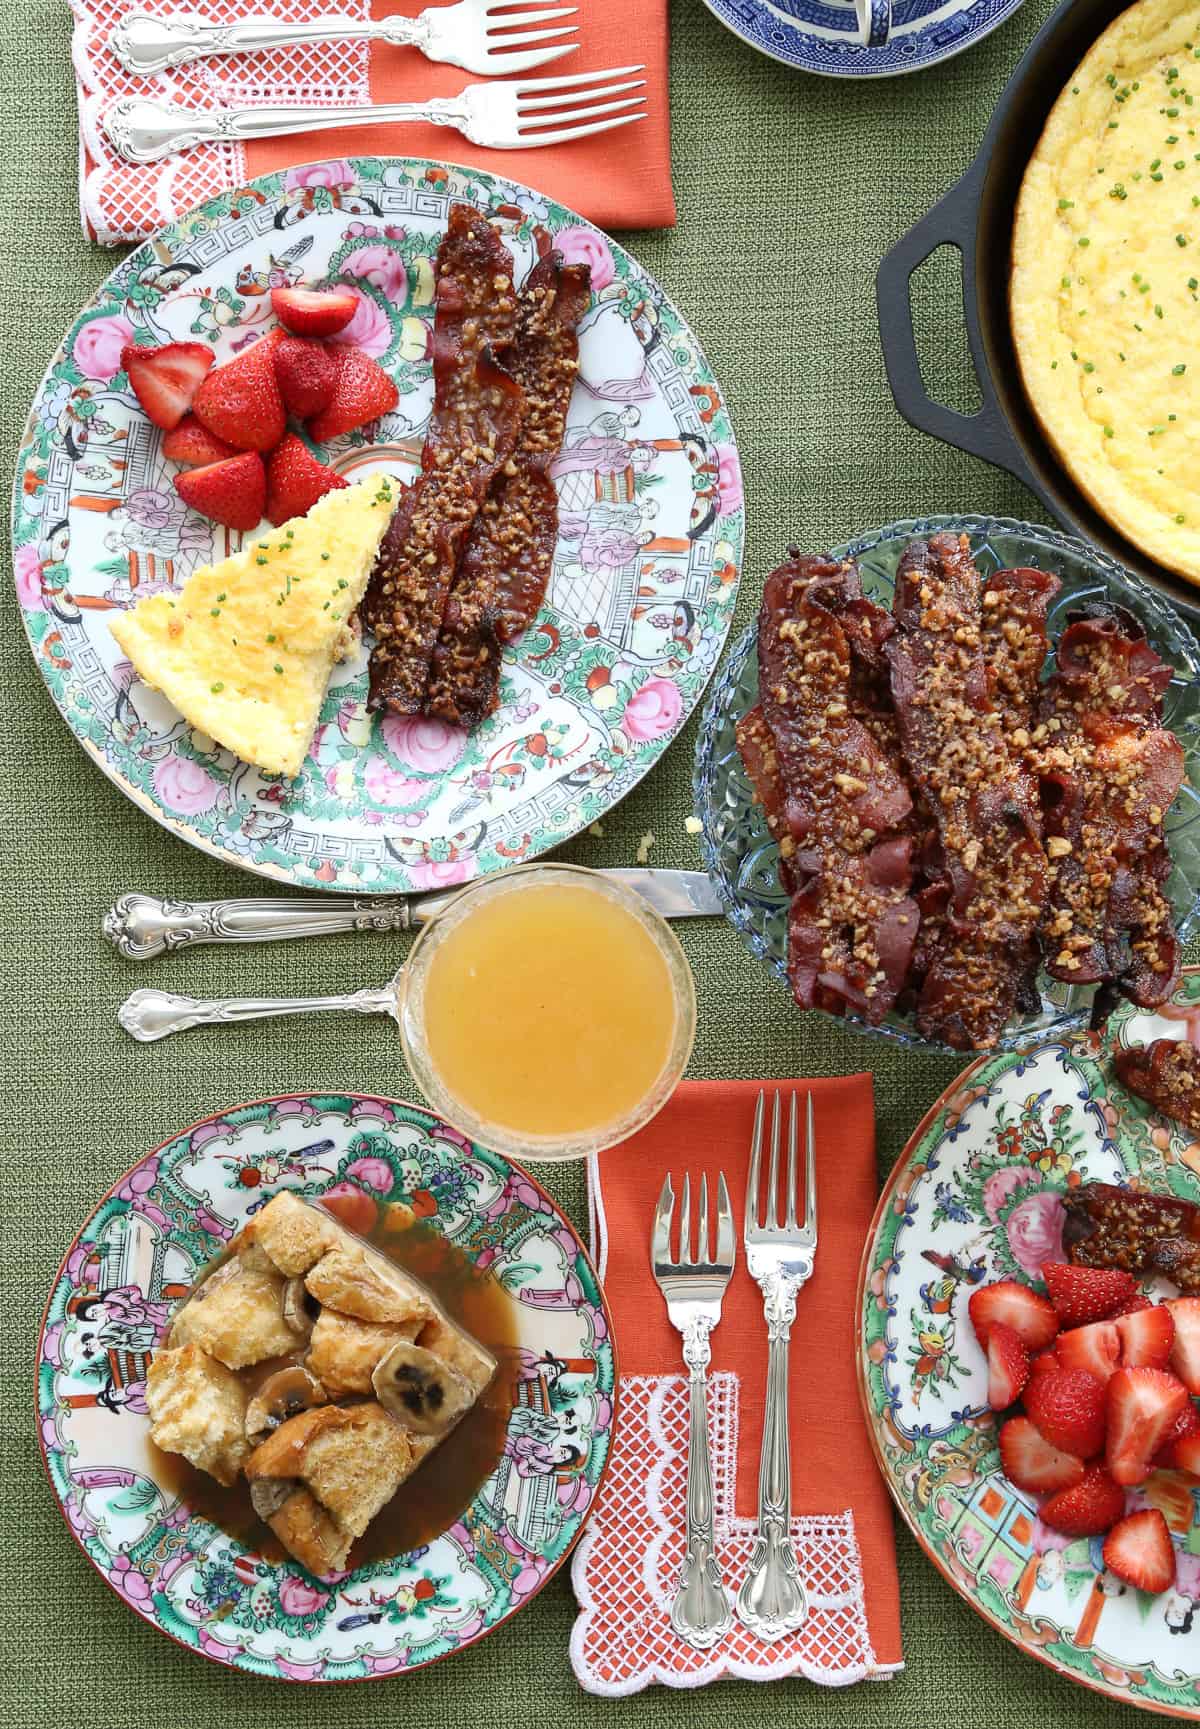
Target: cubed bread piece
(343,1351)
(198,1409)
(455,1346)
(356,1280)
(294,1234)
(237,1316)
(311,1534)
(353,1459)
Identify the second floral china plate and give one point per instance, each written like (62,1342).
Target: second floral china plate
(190,1577)
(977,1196)
(645,570)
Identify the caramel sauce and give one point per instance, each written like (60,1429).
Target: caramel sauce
(441,1488)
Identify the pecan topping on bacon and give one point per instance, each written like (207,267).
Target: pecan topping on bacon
(1110,772)
(472,432)
(841,806)
(984,801)
(506,562)
(1166,1074)
(1107,1226)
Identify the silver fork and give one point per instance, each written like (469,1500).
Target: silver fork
(509,114)
(780,1257)
(478,35)
(693,1286)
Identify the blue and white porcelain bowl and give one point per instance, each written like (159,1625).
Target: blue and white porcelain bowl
(825,36)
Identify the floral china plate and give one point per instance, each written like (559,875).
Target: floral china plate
(645,570)
(976,1196)
(109,1306)
(823,35)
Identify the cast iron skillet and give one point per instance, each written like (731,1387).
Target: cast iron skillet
(976,216)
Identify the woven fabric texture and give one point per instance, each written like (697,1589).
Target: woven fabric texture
(789,188)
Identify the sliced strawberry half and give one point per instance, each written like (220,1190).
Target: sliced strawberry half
(1143,1407)
(232,492)
(240,401)
(1030,1315)
(1083,1294)
(1032,1463)
(1185,1455)
(1008,1366)
(1095,1349)
(195,445)
(1185,1351)
(1146,1337)
(305,371)
(295,480)
(1068,1409)
(1139,1550)
(362,391)
(314,311)
(1087,1508)
(1187,1425)
(165,379)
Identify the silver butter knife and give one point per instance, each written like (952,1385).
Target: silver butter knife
(140,927)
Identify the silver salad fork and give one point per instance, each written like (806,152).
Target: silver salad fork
(693,1286)
(780,1256)
(508,114)
(478,35)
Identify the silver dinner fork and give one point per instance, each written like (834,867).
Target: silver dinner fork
(478,35)
(508,114)
(779,1254)
(693,1286)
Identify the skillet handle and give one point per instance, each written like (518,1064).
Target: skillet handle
(986,434)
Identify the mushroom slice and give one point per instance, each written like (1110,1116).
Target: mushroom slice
(421,1391)
(268,1494)
(300,1310)
(282,1395)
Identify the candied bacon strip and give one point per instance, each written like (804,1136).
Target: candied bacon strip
(845,808)
(505,566)
(1108,1226)
(1166,1074)
(1110,775)
(984,801)
(1015,643)
(472,432)
(756,746)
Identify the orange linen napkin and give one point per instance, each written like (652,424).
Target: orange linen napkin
(619,179)
(625,1568)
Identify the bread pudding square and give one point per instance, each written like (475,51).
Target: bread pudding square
(197,1408)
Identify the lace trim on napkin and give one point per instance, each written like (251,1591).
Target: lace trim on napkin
(121,201)
(625,1567)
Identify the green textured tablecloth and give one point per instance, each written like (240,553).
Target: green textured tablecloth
(789,188)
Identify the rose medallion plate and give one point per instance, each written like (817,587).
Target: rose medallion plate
(109,1306)
(645,570)
(976,1196)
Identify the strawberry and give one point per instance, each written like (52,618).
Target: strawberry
(1185,1352)
(295,480)
(362,391)
(1029,1315)
(1146,1338)
(1095,1349)
(1068,1409)
(1083,1294)
(165,379)
(232,492)
(195,445)
(314,311)
(1032,1463)
(1044,1363)
(1132,1305)
(1185,1455)
(240,401)
(304,371)
(1008,1366)
(1186,1427)
(1087,1508)
(1143,1407)
(1139,1550)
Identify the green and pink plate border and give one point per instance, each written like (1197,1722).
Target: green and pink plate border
(977,1195)
(645,571)
(109,1306)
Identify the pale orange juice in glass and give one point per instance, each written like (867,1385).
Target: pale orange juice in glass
(548,1012)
